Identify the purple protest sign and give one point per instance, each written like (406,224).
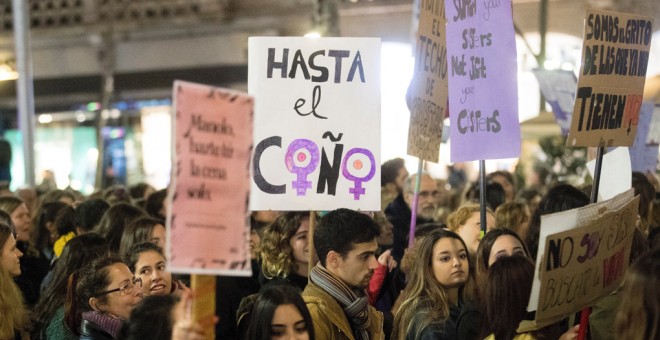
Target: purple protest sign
(483,94)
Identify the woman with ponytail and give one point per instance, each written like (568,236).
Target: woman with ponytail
(100,297)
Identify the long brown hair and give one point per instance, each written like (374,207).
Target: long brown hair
(12,310)
(424,295)
(639,310)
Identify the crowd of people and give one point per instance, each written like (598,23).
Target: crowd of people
(74,267)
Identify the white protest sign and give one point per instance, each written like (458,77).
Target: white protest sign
(316,123)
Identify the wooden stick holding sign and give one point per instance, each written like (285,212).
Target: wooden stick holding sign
(413,205)
(203,303)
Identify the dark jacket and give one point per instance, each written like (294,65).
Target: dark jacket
(99,326)
(91,331)
(398,213)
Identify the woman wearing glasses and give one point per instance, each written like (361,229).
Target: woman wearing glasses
(100,297)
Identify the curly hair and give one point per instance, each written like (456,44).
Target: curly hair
(275,249)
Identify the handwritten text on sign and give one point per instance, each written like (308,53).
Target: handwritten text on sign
(209,188)
(428,89)
(317,123)
(586,263)
(614,62)
(483,96)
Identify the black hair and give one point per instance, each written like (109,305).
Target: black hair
(47,214)
(495,194)
(137,191)
(83,285)
(78,251)
(89,213)
(65,221)
(264,310)
(155,203)
(560,198)
(390,170)
(339,229)
(150,319)
(115,220)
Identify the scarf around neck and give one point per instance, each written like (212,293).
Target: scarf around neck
(354,302)
(108,323)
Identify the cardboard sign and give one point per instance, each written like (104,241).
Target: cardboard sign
(558,88)
(615,57)
(317,123)
(583,256)
(427,95)
(483,93)
(212,140)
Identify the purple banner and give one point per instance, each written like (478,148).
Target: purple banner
(483,93)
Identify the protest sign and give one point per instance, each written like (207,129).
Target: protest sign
(558,88)
(654,130)
(615,57)
(583,255)
(615,171)
(483,94)
(316,124)
(427,95)
(209,189)
(643,156)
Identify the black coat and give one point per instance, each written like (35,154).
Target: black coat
(91,331)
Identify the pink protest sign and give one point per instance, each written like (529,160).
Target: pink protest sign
(483,94)
(209,189)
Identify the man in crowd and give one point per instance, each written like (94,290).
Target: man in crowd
(393,174)
(399,211)
(345,242)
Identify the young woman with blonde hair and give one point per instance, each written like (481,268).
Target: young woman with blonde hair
(434,290)
(466,222)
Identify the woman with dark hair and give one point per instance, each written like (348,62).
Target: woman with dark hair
(638,317)
(504,304)
(115,220)
(48,315)
(285,249)
(34,264)
(147,262)
(162,317)
(45,232)
(13,316)
(99,297)
(156,205)
(280,313)
(498,243)
(434,293)
(506,180)
(560,198)
(143,229)
(65,225)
